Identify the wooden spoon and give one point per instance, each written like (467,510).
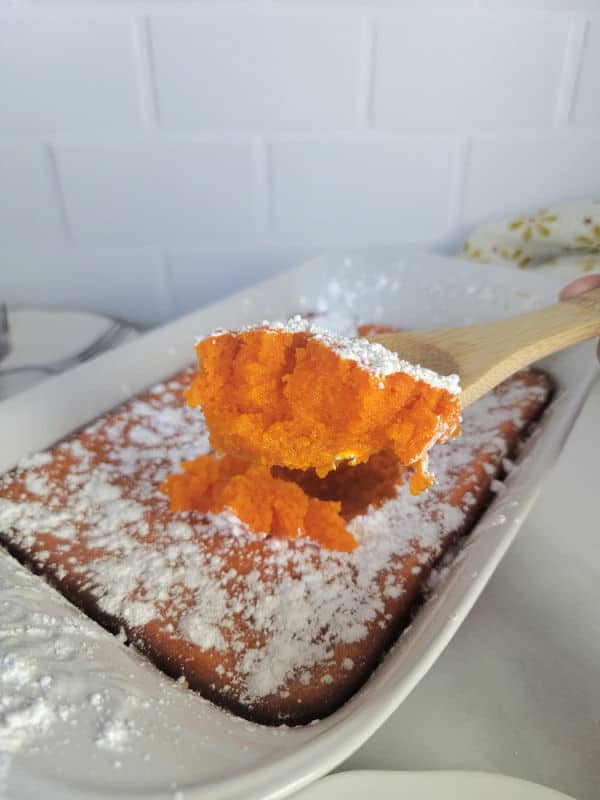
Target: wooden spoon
(484,355)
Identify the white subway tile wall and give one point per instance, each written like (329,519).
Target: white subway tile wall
(91,280)
(155,156)
(67,72)
(29,212)
(141,192)
(587,100)
(528,171)
(206,274)
(256,72)
(478,69)
(356,190)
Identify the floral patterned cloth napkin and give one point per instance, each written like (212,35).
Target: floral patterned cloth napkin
(564,240)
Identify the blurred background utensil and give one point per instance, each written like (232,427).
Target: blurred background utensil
(108,339)
(4,332)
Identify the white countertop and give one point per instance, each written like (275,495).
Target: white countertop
(518,689)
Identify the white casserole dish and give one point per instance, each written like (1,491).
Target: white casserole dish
(115,727)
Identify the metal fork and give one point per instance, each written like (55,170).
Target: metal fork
(110,337)
(4,332)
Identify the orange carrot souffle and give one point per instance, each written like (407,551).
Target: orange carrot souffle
(297,396)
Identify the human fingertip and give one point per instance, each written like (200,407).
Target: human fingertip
(583,284)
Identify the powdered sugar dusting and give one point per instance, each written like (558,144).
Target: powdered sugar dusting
(198,630)
(272,611)
(43,658)
(370,356)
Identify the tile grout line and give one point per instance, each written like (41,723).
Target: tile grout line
(568,81)
(145,71)
(99,137)
(57,190)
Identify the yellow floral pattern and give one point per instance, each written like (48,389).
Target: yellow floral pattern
(563,239)
(517,257)
(590,264)
(590,240)
(534,224)
(472,252)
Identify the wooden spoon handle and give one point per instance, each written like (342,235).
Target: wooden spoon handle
(487,354)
